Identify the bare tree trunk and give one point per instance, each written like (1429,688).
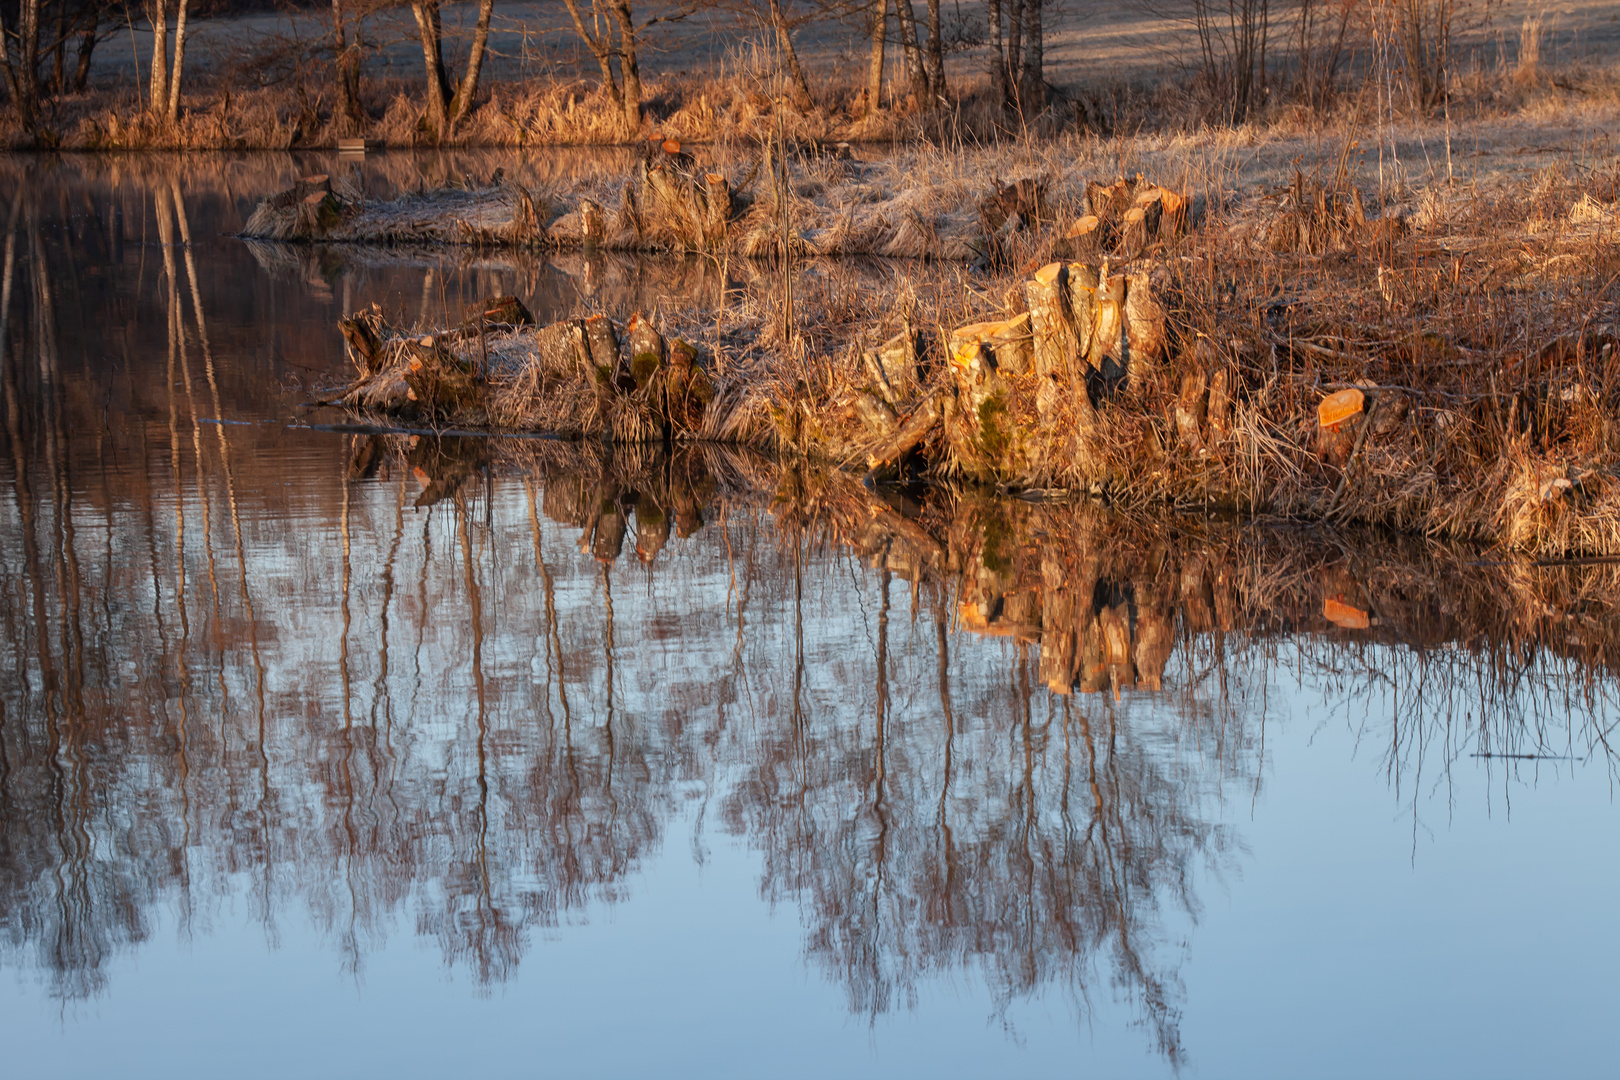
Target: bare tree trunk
(784,41)
(158,89)
(461,104)
(22,70)
(874,70)
(1015,41)
(346,55)
(908,44)
(1032,80)
(438,83)
(936,53)
(998,55)
(172,110)
(87,46)
(629,64)
(59,50)
(601,47)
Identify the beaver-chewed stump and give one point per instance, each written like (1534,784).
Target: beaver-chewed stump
(574,378)
(1091,379)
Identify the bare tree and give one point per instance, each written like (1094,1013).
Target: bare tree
(1232,36)
(157,87)
(461,105)
(1032,76)
(172,106)
(22,68)
(790,56)
(607,16)
(874,71)
(936,53)
(998,54)
(449,104)
(346,61)
(916,71)
(629,64)
(599,40)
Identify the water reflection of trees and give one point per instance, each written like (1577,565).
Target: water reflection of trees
(466,686)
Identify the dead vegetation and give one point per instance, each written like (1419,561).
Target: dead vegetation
(1444,367)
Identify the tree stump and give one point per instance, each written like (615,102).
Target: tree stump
(892,367)
(1144,319)
(1052,330)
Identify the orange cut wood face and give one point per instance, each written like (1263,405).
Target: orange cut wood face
(1083,226)
(1048,274)
(971,616)
(672,146)
(1339,613)
(1337,408)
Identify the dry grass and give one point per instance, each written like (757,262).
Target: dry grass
(1479,321)
(743,98)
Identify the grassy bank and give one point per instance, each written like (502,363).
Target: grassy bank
(1474,324)
(752,104)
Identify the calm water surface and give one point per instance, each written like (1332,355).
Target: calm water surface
(326,753)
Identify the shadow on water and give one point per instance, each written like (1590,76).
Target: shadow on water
(469,685)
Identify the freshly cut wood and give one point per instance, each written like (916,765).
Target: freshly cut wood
(1083,226)
(1220,403)
(308,185)
(1144,329)
(318,212)
(1338,407)
(1081,283)
(1108,323)
(439,383)
(1010,341)
(1339,613)
(1173,220)
(1338,425)
(965,346)
(1052,333)
(1003,344)
(1133,231)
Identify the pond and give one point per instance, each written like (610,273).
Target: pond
(327,751)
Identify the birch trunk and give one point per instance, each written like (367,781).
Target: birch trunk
(172,109)
(936,54)
(158,90)
(915,69)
